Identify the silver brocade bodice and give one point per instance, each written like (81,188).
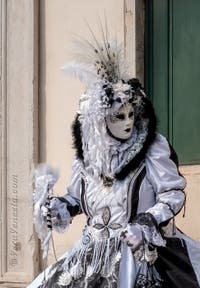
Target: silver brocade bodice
(108,207)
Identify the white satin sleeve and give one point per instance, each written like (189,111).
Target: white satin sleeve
(73,195)
(167,183)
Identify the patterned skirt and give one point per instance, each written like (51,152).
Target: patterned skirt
(88,265)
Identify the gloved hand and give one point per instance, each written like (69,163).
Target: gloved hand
(133,235)
(56,214)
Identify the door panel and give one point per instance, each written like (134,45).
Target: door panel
(186,79)
(173,72)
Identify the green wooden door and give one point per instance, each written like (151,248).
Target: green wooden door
(173,72)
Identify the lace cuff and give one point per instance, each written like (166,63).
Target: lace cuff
(59,215)
(149,226)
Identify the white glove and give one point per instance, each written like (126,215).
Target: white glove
(133,236)
(56,214)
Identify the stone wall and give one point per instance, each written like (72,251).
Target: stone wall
(18,141)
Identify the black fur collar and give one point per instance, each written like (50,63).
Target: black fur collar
(135,162)
(77,138)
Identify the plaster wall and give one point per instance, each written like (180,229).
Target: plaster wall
(60,22)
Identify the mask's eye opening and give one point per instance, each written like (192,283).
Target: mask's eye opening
(120,116)
(127,92)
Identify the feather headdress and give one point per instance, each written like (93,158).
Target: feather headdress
(98,61)
(102,67)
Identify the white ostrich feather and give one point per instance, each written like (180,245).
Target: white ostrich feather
(99,59)
(81,71)
(108,53)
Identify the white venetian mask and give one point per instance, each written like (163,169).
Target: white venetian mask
(121,123)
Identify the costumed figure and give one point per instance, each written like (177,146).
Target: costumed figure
(125,178)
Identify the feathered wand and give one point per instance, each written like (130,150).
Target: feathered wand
(44,178)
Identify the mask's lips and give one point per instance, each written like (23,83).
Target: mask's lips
(127,130)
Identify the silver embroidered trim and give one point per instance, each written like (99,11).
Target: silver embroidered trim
(105,254)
